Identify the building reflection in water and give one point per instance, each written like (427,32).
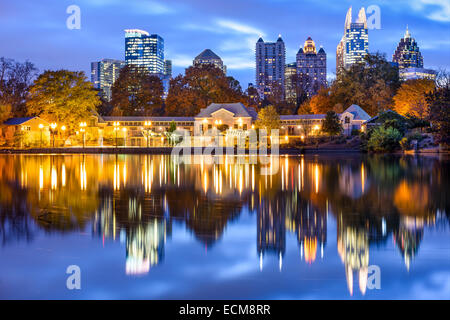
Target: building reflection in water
(138,198)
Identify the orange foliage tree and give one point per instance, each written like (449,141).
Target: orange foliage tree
(411,98)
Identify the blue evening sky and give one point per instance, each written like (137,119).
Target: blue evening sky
(36,30)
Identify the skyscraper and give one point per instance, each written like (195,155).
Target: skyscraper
(313,65)
(168,68)
(407,54)
(144,50)
(270,65)
(354,45)
(209,57)
(103,75)
(289,72)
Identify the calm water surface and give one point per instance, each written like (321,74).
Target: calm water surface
(146,227)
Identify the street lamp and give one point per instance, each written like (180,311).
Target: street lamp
(147,125)
(116,128)
(52,131)
(63,129)
(41,127)
(83,125)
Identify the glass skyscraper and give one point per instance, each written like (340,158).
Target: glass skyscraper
(354,45)
(407,54)
(103,75)
(144,50)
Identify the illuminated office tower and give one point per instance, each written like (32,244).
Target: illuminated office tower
(144,50)
(407,54)
(289,90)
(354,45)
(103,75)
(209,57)
(270,65)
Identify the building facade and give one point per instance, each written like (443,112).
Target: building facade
(416,73)
(313,66)
(354,45)
(229,119)
(289,89)
(270,65)
(144,50)
(103,75)
(407,54)
(208,57)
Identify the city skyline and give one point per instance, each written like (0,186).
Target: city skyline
(228,32)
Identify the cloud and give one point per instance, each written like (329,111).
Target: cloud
(239,28)
(437,10)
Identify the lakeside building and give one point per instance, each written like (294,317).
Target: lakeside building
(103,75)
(208,57)
(228,118)
(313,65)
(270,65)
(354,45)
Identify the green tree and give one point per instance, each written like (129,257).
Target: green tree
(268,119)
(137,93)
(384,139)
(62,96)
(332,124)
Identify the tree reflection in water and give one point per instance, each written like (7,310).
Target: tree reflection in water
(139,197)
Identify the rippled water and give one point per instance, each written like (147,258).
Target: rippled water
(147,227)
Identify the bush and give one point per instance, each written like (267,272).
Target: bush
(405,144)
(384,139)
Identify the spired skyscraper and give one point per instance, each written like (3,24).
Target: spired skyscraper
(313,65)
(407,54)
(270,65)
(144,50)
(103,75)
(354,45)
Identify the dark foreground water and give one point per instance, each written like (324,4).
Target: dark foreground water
(146,227)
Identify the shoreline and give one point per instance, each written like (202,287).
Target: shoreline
(162,150)
(168,151)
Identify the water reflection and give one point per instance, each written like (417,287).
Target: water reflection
(137,199)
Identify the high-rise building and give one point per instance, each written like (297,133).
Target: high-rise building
(289,90)
(209,57)
(167,77)
(407,54)
(270,65)
(144,50)
(354,45)
(168,68)
(312,65)
(103,75)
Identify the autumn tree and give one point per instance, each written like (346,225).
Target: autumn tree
(411,98)
(200,86)
(439,113)
(15,80)
(62,96)
(136,92)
